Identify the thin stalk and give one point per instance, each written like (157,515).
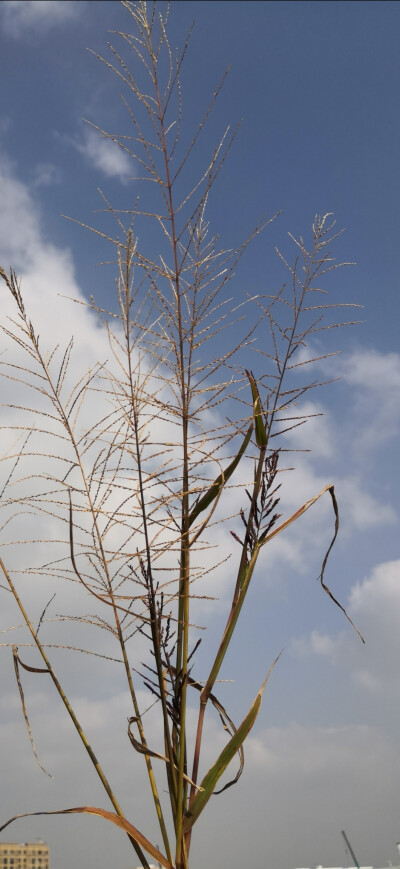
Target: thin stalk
(298,309)
(183,605)
(71,712)
(153,615)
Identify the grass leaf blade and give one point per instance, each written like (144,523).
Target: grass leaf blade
(214,489)
(18,662)
(261,434)
(233,746)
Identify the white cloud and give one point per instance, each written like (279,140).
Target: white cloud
(19,235)
(374,606)
(359,509)
(46,174)
(376,410)
(377,598)
(311,751)
(322,644)
(374,371)
(317,434)
(104,154)
(316,643)
(21,17)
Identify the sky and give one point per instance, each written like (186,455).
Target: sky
(315,86)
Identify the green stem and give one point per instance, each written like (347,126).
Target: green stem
(183,605)
(245,573)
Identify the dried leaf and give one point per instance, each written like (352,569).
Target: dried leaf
(144,749)
(321,576)
(18,662)
(331,489)
(125,825)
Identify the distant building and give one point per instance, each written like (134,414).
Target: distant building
(28,855)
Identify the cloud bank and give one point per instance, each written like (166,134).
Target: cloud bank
(20,18)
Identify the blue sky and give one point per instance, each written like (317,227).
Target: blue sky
(316,88)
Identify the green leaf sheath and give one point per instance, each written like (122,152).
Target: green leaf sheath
(261,434)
